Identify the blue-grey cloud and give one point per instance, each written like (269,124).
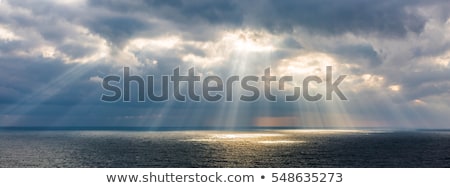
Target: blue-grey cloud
(389,18)
(53,54)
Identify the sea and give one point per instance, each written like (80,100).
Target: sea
(253,148)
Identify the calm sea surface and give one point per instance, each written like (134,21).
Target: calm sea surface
(274,148)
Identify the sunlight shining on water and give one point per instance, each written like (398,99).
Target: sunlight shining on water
(268,148)
(280,141)
(233,137)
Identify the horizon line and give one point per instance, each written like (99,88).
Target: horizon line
(245,128)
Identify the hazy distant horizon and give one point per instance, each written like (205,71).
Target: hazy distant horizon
(207,128)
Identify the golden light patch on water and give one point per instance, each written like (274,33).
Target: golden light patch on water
(257,138)
(229,137)
(201,140)
(280,141)
(268,142)
(244,135)
(274,137)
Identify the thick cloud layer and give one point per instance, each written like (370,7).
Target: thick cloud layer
(396,54)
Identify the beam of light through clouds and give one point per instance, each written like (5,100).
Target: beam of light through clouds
(396,55)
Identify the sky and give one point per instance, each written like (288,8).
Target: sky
(395,53)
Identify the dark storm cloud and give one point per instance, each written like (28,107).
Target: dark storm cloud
(362,52)
(117,29)
(290,43)
(198,19)
(386,17)
(11,46)
(180,11)
(48,81)
(425,83)
(22,74)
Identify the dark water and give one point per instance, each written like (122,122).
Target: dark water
(224,149)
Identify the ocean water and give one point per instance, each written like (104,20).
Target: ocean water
(271,148)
